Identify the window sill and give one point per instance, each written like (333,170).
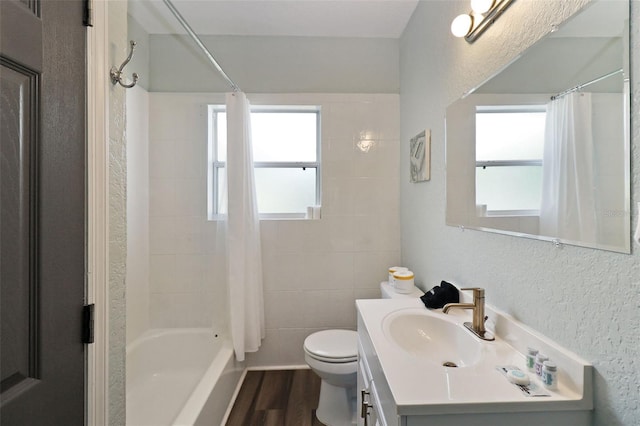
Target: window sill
(512,213)
(268,217)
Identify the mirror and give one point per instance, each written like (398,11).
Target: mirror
(524,164)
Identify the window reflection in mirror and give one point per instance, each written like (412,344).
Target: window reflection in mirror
(509,147)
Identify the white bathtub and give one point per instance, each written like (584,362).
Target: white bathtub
(179,377)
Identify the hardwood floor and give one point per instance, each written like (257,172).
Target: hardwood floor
(277,398)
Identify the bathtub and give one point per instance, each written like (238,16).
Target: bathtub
(179,377)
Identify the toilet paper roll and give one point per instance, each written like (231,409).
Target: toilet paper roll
(309,214)
(404,281)
(316,212)
(393,270)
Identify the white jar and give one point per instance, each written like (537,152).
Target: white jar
(540,359)
(392,271)
(404,281)
(550,375)
(531,359)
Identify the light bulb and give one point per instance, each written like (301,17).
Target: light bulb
(461,25)
(481,6)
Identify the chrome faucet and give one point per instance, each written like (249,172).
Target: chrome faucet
(477,327)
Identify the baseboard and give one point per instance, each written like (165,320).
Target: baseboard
(278,367)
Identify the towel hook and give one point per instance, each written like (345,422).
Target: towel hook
(116,73)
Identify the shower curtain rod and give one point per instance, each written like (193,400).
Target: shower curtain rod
(201,45)
(588,83)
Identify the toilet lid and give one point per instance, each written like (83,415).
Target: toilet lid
(333,345)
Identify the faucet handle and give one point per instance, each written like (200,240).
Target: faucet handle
(478,292)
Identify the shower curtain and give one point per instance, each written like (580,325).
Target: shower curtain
(568,203)
(241,228)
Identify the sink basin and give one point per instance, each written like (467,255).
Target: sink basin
(426,336)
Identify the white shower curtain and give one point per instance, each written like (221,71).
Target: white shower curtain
(243,249)
(568,204)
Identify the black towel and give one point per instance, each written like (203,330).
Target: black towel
(440,295)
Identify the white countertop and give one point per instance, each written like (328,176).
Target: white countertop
(420,386)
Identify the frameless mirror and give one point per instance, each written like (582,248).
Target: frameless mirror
(541,150)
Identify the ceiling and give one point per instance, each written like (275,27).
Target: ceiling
(305,18)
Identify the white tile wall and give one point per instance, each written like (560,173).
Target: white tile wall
(137,275)
(184,291)
(313,269)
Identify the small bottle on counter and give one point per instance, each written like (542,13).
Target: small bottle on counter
(531,358)
(540,359)
(550,375)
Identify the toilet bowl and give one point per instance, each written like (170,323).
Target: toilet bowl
(333,356)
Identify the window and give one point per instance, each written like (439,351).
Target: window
(286,156)
(509,150)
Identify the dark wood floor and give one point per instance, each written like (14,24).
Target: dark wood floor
(277,398)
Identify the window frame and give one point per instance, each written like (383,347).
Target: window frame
(214,165)
(513,109)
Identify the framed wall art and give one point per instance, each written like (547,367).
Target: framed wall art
(420,156)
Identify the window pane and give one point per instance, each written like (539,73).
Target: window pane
(509,135)
(221,136)
(220,194)
(284,137)
(285,190)
(509,188)
(276,136)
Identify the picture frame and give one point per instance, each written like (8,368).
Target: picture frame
(420,157)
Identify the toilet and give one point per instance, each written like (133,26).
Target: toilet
(333,356)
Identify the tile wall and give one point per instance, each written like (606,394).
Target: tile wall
(137,278)
(181,240)
(313,269)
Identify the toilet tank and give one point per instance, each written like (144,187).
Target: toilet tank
(388,292)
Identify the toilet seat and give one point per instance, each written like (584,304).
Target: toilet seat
(332,346)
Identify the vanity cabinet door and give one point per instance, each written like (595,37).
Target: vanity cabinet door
(368,401)
(364,378)
(360,390)
(375,416)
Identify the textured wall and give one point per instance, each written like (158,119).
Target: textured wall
(586,300)
(117,16)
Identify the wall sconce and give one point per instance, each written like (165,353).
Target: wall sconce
(483,14)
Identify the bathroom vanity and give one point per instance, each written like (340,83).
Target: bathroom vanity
(406,375)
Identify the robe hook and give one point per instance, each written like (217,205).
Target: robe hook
(116,73)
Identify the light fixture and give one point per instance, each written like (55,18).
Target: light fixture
(481,6)
(483,14)
(461,25)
